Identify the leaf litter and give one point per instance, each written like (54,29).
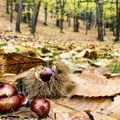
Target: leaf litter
(97,91)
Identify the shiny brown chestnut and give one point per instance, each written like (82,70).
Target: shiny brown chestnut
(23,98)
(40,107)
(7,90)
(10,104)
(46,75)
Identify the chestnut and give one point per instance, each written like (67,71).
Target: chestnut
(10,104)
(46,75)
(40,107)
(7,90)
(22,97)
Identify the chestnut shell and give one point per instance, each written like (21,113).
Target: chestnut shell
(40,106)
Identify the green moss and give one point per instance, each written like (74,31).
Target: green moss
(114,67)
(3,43)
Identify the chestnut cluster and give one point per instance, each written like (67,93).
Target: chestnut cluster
(10,99)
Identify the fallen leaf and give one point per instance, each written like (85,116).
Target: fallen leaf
(88,53)
(17,63)
(85,104)
(92,85)
(114,108)
(97,116)
(60,112)
(11,78)
(71,116)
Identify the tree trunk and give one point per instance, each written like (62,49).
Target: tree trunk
(29,16)
(35,16)
(76,20)
(117,21)
(76,24)
(46,12)
(86,17)
(90,20)
(99,10)
(7,6)
(62,4)
(11,15)
(18,17)
(57,13)
(69,21)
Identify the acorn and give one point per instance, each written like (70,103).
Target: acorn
(10,104)
(7,90)
(40,107)
(46,74)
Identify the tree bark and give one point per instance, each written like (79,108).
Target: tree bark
(57,13)
(11,15)
(7,6)
(76,20)
(46,14)
(117,21)
(99,11)
(35,16)
(86,14)
(18,17)
(62,4)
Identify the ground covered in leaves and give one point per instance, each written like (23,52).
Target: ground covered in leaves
(93,66)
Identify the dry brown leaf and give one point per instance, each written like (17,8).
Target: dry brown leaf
(60,112)
(25,50)
(91,85)
(114,108)
(72,116)
(98,116)
(65,66)
(85,104)
(2,51)
(11,78)
(88,53)
(16,63)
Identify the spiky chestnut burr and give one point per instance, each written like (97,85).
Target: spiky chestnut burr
(57,86)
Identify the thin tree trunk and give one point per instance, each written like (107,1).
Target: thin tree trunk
(29,16)
(7,6)
(57,14)
(46,15)
(100,21)
(37,12)
(117,22)
(76,20)
(35,16)
(18,17)
(11,15)
(69,21)
(86,14)
(62,4)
